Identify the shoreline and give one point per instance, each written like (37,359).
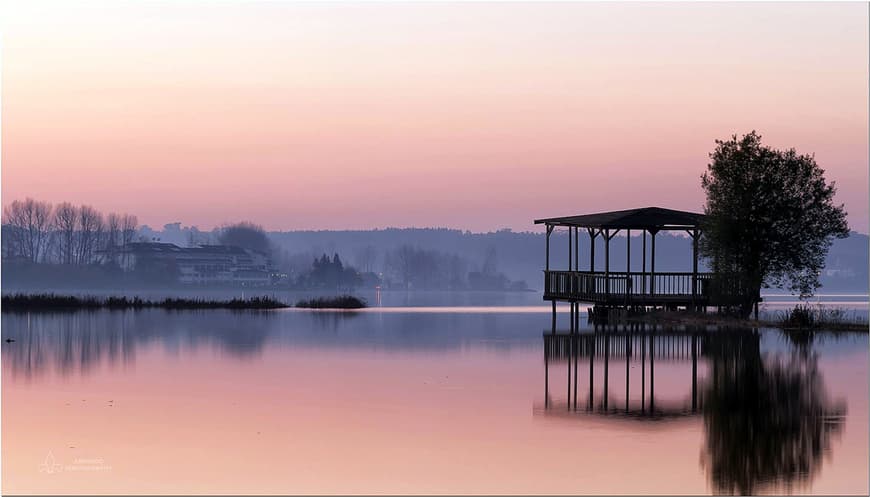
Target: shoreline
(845,323)
(824,320)
(54,302)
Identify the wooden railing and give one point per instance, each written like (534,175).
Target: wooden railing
(600,287)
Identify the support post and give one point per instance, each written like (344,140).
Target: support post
(606,365)
(695,234)
(570,275)
(547,278)
(554,316)
(570,337)
(592,235)
(577,318)
(694,372)
(575,344)
(607,263)
(549,232)
(571,318)
(652,372)
(570,249)
(627,366)
(546,373)
(643,372)
(576,249)
(628,281)
(643,264)
(652,261)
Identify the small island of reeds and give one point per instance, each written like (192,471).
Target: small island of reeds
(50,302)
(801,318)
(337,302)
(807,317)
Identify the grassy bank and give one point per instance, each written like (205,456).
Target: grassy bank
(806,317)
(50,301)
(339,302)
(800,318)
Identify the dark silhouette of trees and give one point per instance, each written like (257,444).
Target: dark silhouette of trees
(120,231)
(771,217)
(36,232)
(65,219)
(29,222)
(768,421)
(90,233)
(331,274)
(246,235)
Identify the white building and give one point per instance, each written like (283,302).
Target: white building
(204,265)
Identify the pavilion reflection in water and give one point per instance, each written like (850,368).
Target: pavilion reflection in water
(767,419)
(628,347)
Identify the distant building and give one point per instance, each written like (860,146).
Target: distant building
(203,265)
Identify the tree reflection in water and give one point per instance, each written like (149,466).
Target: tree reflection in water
(76,342)
(768,420)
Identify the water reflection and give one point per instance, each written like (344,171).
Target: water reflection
(768,420)
(442,390)
(626,348)
(77,342)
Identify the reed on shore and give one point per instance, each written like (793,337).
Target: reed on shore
(800,318)
(808,317)
(50,301)
(337,302)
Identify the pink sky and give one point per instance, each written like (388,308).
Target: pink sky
(474,116)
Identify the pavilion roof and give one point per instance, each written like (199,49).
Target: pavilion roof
(656,218)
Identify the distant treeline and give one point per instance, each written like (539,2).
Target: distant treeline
(62,245)
(405,268)
(441,258)
(411,259)
(447,258)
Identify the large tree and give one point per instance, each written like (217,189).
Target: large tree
(771,217)
(246,235)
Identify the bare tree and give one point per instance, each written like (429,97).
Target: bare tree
(90,227)
(246,235)
(30,221)
(112,238)
(129,225)
(65,220)
(11,241)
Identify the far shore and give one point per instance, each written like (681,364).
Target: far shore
(46,302)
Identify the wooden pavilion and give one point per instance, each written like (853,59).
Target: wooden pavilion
(632,289)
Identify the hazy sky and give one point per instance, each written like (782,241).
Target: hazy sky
(475,116)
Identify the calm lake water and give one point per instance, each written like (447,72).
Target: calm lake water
(417,400)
